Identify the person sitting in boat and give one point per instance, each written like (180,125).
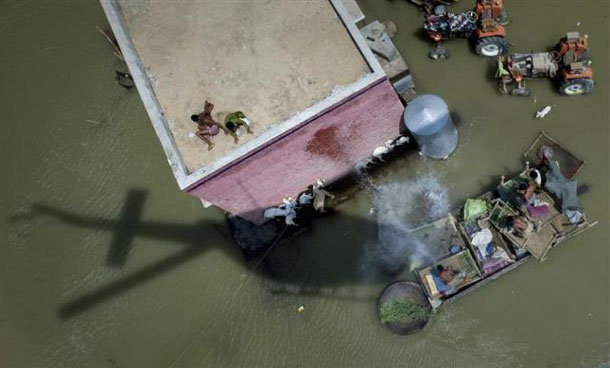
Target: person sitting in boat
(545,156)
(519,225)
(445,279)
(527,193)
(535,177)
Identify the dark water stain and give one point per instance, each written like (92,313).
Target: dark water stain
(327,142)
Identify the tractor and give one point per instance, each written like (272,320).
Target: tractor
(568,63)
(483,25)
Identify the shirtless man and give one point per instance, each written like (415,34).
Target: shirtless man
(207,127)
(446,274)
(520,225)
(528,193)
(447,279)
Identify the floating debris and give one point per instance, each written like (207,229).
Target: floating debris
(300,309)
(542,113)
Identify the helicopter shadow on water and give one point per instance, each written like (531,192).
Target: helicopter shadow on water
(276,266)
(194,238)
(335,255)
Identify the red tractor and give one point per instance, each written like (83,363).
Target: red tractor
(568,63)
(483,25)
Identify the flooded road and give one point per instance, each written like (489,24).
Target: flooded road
(104,263)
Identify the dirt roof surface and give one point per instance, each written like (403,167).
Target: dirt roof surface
(268,58)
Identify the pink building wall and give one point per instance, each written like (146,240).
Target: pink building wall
(326,147)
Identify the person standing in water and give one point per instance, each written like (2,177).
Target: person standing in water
(207,127)
(320,195)
(502,74)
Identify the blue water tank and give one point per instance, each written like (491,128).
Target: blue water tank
(427,119)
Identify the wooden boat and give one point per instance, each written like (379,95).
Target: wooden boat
(506,250)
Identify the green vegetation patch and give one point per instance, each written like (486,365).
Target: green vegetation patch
(403,310)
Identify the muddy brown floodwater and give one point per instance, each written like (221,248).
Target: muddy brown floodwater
(104,263)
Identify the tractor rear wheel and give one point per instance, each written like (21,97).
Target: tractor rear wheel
(491,46)
(575,87)
(438,52)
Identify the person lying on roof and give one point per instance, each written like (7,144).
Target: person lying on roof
(207,127)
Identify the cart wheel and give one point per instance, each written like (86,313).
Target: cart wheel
(438,53)
(520,92)
(574,87)
(491,46)
(472,16)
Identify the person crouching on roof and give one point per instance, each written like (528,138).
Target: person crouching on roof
(236,120)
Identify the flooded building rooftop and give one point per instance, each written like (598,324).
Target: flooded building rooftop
(270,59)
(301,71)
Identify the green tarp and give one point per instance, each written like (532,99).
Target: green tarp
(474,208)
